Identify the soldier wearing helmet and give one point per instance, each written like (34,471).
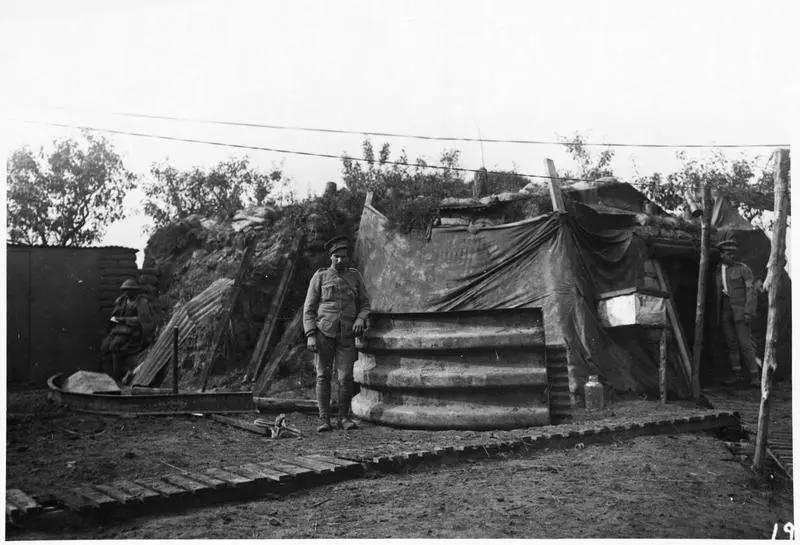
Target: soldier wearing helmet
(736,306)
(130,329)
(335,312)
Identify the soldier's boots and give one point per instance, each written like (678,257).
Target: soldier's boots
(347,424)
(324,425)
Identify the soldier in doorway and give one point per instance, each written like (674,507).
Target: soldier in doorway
(736,305)
(335,312)
(130,329)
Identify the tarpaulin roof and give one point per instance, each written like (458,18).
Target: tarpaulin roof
(550,261)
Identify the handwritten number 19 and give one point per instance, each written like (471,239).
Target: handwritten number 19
(788,528)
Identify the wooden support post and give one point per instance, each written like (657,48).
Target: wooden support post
(290,338)
(225,315)
(555,187)
(776,263)
(662,365)
(480,183)
(677,329)
(699,323)
(174,360)
(271,321)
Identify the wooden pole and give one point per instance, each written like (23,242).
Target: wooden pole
(271,321)
(699,322)
(555,187)
(662,365)
(291,336)
(674,320)
(774,268)
(174,360)
(225,313)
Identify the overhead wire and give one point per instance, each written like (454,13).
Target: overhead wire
(279,150)
(423,137)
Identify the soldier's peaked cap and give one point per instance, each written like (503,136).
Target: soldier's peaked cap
(130,284)
(337,243)
(728,244)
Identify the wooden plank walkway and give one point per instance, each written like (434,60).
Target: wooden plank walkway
(779,436)
(131,497)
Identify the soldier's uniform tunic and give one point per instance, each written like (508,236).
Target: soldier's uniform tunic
(736,301)
(333,302)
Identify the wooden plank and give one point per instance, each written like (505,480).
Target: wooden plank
(677,329)
(121,496)
(278,405)
(271,321)
(21,501)
(181,481)
(207,480)
(136,490)
(238,423)
(717,209)
(700,309)
(274,474)
(233,479)
(164,488)
(335,461)
(317,465)
(254,476)
(629,291)
(662,365)
(777,261)
(556,197)
(224,316)
(12,510)
(290,338)
(297,471)
(94,496)
(283,476)
(74,501)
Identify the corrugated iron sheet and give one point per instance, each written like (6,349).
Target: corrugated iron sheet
(480,369)
(185,318)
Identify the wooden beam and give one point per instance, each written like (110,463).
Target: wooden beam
(717,208)
(777,259)
(225,315)
(261,350)
(699,322)
(556,197)
(278,405)
(290,338)
(677,329)
(238,423)
(662,365)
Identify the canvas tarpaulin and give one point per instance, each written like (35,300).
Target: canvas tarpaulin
(550,262)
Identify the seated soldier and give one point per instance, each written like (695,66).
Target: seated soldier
(129,331)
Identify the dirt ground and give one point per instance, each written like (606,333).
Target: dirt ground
(687,485)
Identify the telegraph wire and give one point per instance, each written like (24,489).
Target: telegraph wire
(278,150)
(425,137)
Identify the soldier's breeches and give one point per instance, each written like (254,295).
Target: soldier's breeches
(330,352)
(738,340)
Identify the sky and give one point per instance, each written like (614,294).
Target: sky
(675,72)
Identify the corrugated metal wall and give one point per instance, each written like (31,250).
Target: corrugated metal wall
(477,369)
(58,307)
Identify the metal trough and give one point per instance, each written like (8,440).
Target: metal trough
(454,370)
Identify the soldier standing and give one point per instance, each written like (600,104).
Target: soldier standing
(736,303)
(334,313)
